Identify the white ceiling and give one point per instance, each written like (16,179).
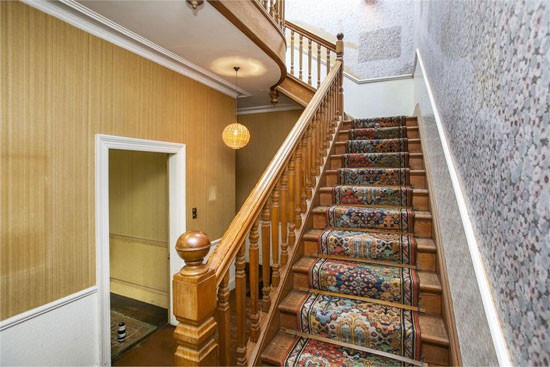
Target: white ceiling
(203,36)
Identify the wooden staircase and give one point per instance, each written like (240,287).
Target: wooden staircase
(274,242)
(434,338)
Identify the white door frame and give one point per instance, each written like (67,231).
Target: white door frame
(176,192)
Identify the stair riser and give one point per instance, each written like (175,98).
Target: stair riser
(412,133)
(422,226)
(414,147)
(430,302)
(419,200)
(415,162)
(411,121)
(424,260)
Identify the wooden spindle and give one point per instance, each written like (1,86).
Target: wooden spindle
(308,165)
(298,187)
(309,42)
(328,60)
(224,324)
(275,235)
(312,154)
(240,290)
(292,52)
(326,135)
(291,201)
(253,255)
(301,55)
(266,257)
(195,302)
(318,65)
(318,143)
(340,57)
(284,218)
(304,175)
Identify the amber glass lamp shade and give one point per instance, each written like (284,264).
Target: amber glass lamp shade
(236,135)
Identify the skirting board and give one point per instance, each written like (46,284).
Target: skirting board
(62,332)
(479,268)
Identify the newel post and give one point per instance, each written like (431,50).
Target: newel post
(340,57)
(194,289)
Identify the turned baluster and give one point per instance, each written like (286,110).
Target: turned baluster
(271,5)
(308,165)
(328,60)
(312,154)
(304,175)
(266,257)
(292,52)
(224,324)
(275,235)
(340,57)
(335,104)
(291,201)
(300,54)
(318,65)
(298,188)
(318,144)
(284,216)
(326,136)
(309,42)
(195,301)
(253,254)
(240,290)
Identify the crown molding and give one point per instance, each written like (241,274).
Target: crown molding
(267,108)
(89,21)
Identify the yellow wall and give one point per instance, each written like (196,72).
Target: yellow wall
(60,86)
(139,226)
(267,133)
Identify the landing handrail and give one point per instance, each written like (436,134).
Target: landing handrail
(312,36)
(226,251)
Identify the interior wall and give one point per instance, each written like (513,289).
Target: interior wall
(267,132)
(378,34)
(61,86)
(139,226)
(488,65)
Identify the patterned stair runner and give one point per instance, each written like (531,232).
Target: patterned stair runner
(366,258)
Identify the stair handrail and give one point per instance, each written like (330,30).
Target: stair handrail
(312,36)
(225,251)
(201,290)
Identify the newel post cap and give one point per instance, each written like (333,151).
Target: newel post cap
(340,44)
(192,247)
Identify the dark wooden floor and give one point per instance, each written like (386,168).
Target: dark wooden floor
(159,347)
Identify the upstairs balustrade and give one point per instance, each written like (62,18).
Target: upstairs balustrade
(272,219)
(320,55)
(276,9)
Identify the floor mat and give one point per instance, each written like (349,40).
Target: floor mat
(136,331)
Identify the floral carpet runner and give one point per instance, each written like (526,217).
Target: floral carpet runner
(363,285)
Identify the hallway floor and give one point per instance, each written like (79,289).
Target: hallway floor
(156,349)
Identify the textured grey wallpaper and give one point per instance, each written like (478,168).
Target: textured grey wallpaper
(489,67)
(378,34)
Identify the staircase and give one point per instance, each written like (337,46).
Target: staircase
(365,290)
(335,261)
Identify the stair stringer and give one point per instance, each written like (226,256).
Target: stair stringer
(296,90)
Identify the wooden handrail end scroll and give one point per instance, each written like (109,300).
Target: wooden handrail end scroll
(194,289)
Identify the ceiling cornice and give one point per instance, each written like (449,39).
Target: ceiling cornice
(268,108)
(86,19)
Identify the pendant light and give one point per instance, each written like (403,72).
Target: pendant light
(236,135)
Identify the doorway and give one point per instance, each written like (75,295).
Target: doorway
(140,212)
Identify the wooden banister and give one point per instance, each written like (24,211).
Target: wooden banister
(312,36)
(225,253)
(310,46)
(273,213)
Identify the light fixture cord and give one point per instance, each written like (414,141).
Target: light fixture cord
(237,90)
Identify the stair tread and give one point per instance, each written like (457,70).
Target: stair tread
(418,213)
(429,281)
(431,326)
(415,191)
(335,171)
(278,348)
(423,244)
